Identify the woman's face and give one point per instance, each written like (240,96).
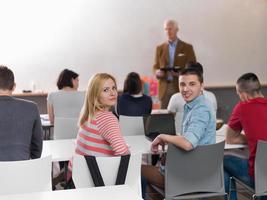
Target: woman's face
(108,95)
(75,83)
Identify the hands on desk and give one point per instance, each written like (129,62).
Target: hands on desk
(156,142)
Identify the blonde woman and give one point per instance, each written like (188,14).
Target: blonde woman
(99,133)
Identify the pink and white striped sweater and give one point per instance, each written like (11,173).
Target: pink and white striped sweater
(101,136)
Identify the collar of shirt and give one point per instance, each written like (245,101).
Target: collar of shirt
(259,99)
(173,43)
(191,104)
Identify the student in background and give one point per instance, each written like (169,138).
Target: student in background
(99,133)
(177,102)
(133,102)
(249,115)
(67,101)
(21,135)
(198,125)
(172,53)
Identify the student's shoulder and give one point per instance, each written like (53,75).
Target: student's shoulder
(25,103)
(104,115)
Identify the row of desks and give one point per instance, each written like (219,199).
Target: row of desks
(63,150)
(119,192)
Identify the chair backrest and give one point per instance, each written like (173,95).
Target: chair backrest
(198,171)
(260,169)
(65,128)
(26,176)
(131,125)
(108,167)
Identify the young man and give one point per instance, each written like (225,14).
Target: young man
(198,124)
(21,135)
(249,115)
(172,53)
(177,102)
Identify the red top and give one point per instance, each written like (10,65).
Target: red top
(251,116)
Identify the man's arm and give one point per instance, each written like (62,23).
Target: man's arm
(37,137)
(191,54)
(177,140)
(235,137)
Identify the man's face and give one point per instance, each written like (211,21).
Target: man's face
(190,87)
(171,31)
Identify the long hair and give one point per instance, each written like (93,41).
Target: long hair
(91,101)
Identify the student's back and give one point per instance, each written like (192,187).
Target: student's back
(66,104)
(20,129)
(134,106)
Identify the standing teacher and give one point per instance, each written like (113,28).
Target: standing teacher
(171,54)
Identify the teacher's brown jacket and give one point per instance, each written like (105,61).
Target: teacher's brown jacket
(184,53)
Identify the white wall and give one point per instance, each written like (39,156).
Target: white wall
(40,38)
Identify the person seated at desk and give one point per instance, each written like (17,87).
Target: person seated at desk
(67,102)
(249,115)
(198,125)
(21,136)
(177,102)
(99,133)
(133,102)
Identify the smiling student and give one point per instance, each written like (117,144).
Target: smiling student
(99,133)
(198,127)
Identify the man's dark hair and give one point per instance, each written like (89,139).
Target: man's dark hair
(7,79)
(132,83)
(65,78)
(195,65)
(192,71)
(249,83)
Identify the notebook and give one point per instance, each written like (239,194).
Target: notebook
(156,124)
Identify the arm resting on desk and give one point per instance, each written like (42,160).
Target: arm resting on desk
(177,140)
(235,137)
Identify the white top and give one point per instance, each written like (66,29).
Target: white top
(176,105)
(66,104)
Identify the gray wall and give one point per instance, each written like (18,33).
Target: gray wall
(227,99)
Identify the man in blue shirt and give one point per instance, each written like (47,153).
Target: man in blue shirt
(198,126)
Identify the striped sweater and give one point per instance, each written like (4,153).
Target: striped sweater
(101,136)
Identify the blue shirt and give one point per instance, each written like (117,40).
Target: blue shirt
(172,47)
(199,125)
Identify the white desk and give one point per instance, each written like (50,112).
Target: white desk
(63,150)
(120,192)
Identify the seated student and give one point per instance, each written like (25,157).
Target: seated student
(249,115)
(21,135)
(177,102)
(99,133)
(133,102)
(67,102)
(198,124)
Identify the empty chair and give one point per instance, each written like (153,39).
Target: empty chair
(194,174)
(65,128)
(26,176)
(108,167)
(131,125)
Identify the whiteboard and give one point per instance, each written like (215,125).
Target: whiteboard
(39,38)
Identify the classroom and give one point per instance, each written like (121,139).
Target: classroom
(109,42)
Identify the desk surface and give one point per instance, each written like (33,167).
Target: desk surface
(120,192)
(63,150)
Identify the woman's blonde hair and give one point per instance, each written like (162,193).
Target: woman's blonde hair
(91,102)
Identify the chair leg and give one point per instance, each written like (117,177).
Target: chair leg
(254,196)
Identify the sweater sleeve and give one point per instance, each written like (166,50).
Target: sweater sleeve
(109,129)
